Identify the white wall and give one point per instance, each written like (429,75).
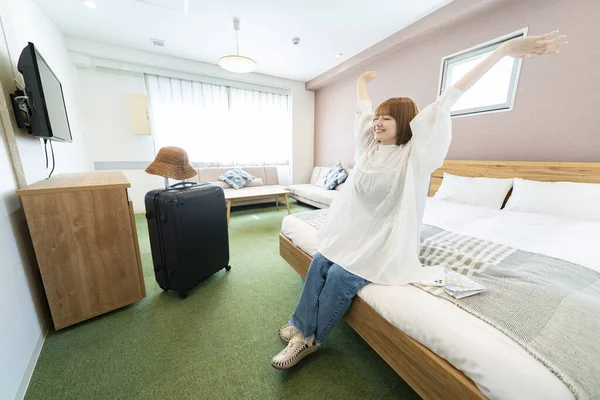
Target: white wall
(108,73)
(105,110)
(23,306)
(24,22)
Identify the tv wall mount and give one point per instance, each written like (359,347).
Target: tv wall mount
(20,103)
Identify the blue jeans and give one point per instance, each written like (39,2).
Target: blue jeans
(327,295)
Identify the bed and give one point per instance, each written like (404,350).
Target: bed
(440,350)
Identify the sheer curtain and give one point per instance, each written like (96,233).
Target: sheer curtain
(219,125)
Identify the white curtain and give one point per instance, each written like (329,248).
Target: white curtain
(219,125)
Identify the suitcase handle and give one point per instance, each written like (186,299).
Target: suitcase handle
(184,184)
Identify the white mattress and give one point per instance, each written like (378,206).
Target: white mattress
(498,365)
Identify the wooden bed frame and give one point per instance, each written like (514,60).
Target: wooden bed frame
(431,376)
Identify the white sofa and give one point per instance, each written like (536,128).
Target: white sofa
(314,193)
(265,176)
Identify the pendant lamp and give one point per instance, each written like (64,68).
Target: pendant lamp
(237,63)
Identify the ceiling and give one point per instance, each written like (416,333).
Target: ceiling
(205,32)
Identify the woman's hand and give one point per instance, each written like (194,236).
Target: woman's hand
(361,85)
(521,47)
(368,76)
(527,46)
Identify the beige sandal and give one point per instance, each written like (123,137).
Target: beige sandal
(287,332)
(298,348)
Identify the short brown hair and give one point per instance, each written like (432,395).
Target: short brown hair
(403,110)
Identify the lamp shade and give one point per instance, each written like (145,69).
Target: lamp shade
(239,64)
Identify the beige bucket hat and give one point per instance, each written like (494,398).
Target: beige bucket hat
(172,162)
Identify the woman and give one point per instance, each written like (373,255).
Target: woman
(372,230)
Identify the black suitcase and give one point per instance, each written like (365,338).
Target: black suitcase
(187,225)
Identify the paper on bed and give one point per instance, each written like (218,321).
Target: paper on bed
(459,286)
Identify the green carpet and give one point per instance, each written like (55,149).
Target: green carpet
(215,344)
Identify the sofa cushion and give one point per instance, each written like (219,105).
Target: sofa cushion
(317,176)
(195,178)
(271,176)
(340,186)
(314,193)
(210,174)
(247,176)
(256,172)
(335,176)
(221,184)
(236,177)
(255,182)
(234,180)
(293,188)
(321,178)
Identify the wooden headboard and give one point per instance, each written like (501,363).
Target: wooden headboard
(533,170)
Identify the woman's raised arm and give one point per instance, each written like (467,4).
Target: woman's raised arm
(361,85)
(521,47)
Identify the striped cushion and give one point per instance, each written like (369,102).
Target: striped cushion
(236,178)
(335,176)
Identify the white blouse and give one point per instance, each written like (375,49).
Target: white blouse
(373,225)
(382,153)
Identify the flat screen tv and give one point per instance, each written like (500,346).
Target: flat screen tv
(47,114)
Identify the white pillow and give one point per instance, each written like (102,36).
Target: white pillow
(482,192)
(563,199)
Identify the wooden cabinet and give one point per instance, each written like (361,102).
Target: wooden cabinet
(83,232)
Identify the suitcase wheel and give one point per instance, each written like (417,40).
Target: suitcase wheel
(227,268)
(183,295)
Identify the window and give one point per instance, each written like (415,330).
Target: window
(495,91)
(219,125)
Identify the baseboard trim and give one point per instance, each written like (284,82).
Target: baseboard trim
(35,355)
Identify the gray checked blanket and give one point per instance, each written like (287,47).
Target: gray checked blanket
(549,306)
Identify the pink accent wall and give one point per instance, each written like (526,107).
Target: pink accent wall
(556,115)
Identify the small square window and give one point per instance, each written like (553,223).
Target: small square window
(495,91)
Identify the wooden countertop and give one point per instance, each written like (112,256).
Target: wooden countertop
(77,181)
